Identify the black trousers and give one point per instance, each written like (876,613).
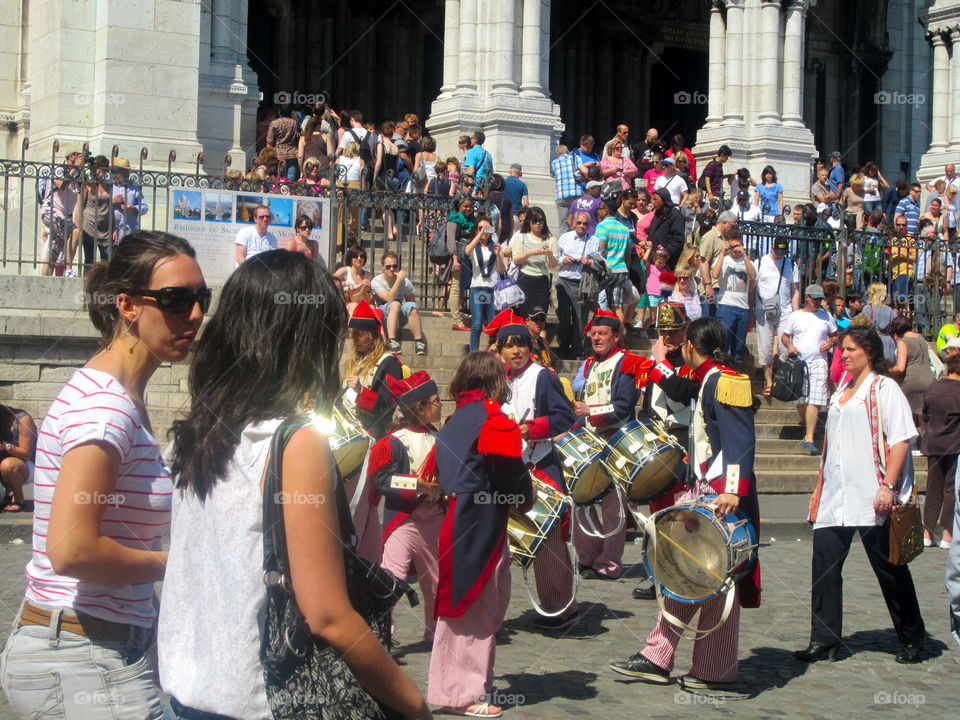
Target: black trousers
(570,318)
(830,548)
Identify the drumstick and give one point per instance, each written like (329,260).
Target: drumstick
(679,547)
(523,419)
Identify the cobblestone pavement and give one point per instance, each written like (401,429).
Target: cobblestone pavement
(549,675)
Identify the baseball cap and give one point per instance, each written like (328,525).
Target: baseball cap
(781,243)
(835,155)
(668,161)
(594,183)
(814,291)
(535,312)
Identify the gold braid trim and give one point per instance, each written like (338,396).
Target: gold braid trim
(735,390)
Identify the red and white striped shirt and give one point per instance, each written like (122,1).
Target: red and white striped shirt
(94,407)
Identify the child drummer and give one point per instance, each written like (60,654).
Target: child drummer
(723,449)
(538,403)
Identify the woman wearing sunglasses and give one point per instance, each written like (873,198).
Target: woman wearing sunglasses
(103,497)
(301,241)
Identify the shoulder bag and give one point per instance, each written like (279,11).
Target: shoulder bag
(905,525)
(305,678)
(771,305)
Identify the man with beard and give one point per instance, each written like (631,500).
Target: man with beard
(643,153)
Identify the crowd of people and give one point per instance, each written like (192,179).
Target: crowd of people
(107,495)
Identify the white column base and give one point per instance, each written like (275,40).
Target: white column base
(518,129)
(790,150)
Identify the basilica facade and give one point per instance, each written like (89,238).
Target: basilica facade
(780,81)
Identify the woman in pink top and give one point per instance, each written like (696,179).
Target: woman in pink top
(103,498)
(651,176)
(615,166)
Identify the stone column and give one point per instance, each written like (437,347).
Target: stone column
(466,76)
(941,92)
(451,47)
(955,82)
(793,44)
(733,100)
(530,62)
(768,92)
(506,18)
(717,63)
(221,31)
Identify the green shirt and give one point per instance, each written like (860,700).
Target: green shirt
(942,335)
(615,234)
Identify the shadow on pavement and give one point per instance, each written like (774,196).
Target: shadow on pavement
(530,689)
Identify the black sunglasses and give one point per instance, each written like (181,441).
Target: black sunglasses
(391,266)
(178,300)
(304,227)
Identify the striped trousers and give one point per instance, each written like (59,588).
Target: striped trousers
(553,570)
(715,656)
(605,555)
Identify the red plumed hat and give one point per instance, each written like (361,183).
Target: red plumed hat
(409,391)
(366,317)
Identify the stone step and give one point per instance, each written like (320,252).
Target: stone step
(789,481)
(801,463)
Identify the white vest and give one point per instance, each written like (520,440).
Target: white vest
(701,442)
(670,412)
(598,387)
(523,395)
(418,445)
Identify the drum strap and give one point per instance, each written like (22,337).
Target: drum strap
(572,552)
(679,627)
(593,530)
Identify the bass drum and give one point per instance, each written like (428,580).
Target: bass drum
(642,457)
(349,442)
(580,454)
(697,553)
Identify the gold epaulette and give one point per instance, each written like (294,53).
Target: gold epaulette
(567,390)
(734,389)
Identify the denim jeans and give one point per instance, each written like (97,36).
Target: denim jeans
(736,320)
(49,672)
(480,314)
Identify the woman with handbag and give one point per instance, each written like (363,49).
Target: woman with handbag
(534,250)
(85,629)
(941,445)
(403,467)
(486,265)
(865,474)
(483,475)
(354,279)
(216,589)
(460,226)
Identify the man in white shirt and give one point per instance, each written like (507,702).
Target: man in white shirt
(675,184)
(623,135)
(949,178)
(811,333)
(356,133)
(778,277)
(397,301)
(255,239)
(746,211)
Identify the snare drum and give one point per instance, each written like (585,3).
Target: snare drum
(349,442)
(642,457)
(587,479)
(699,554)
(528,531)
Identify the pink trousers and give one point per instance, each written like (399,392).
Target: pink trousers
(715,656)
(464,648)
(605,555)
(412,547)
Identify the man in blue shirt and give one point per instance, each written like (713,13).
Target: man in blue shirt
(837,178)
(515,188)
(478,162)
(586,158)
(909,210)
(563,169)
(897,193)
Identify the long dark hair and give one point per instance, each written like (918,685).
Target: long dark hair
(866,337)
(708,337)
(130,267)
(535,213)
(273,343)
(481,370)
(7,416)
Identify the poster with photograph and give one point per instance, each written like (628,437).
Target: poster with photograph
(211,219)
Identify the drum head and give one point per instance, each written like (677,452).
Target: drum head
(656,475)
(349,455)
(591,485)
(692,556)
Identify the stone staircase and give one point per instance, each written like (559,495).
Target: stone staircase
(45,341)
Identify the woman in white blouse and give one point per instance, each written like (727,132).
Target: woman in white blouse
(858,486)
(534,250)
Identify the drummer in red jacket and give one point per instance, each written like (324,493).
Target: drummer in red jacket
(723,442)
(614,377)
(537,402)
(403,469)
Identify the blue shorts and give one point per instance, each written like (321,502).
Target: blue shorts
(405,309)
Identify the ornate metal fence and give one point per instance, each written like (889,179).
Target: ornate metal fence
(919,274)
(377,219)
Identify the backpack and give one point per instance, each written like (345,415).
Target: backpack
(365,153)
(790,382)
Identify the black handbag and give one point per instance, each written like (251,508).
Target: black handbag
(791,380)
(305,678)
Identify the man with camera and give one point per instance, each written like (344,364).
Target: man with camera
(711,245)
(778,295)
(576,246)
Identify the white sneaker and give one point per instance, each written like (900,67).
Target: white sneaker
(927,543)
(944,544)
(70,273)
(637,323)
